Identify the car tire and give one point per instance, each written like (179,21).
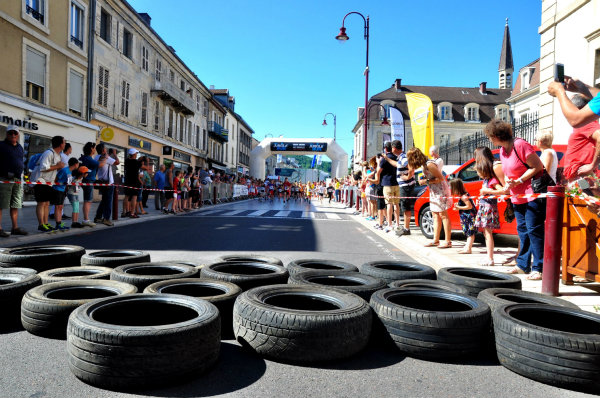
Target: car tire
(554,345)
(45,309)
(137,341)
(477,279)
(391,271)
(75,273)
(14,283)
(221,294)
(429,284)
(497,297)
(301,323)
(246,275)
(252,258)
(43,257)
(141,275)
(433,324)
(114,258)
(426,222)
(361,285)
(331,266)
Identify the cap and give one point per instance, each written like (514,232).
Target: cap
(12,127)
(132,151)
(83,169)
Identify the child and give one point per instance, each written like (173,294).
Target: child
(487,217)
(63,177)
(466,210)
(73,194)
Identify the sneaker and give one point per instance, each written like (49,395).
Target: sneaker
(388,229)
(4,234)
(165,211)
(76,225)
(403,231)
(45,228)
(97,220)
(108,223)
(379,227)
(65,217)
(19,231)
(88,223)
(61,227)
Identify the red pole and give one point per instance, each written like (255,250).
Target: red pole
(553,240)
(358,198)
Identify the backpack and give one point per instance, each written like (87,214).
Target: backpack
(33,161)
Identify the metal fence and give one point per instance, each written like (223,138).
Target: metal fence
(458,152)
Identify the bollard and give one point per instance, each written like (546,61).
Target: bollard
(215,194)
(553,240)
(358,199)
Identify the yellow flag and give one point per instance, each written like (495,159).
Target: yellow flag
(420,110)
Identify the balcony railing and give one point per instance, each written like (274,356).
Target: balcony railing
(77,42)
(35,13)
(218,131)
(168,91)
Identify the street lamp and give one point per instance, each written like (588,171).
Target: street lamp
(385,121)
(325,122)
(343,37)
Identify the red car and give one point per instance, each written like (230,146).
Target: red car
(472,183)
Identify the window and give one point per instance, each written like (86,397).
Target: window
(77,20)
(127,43)
(172,76)
(502,113)
(205,110)
(144,114)
(189,133)
(158,70)
(103,86)
(35,8)
(472,113)
(198,137)
(105,25)
(197,102)
(75,92)
(170,122)
(125,99)
(182,85)
(204,140)
(145,56)
(525,80)
(35,75)
(469,173)
(156,115)
(508,80)
(181,128)
(445,111)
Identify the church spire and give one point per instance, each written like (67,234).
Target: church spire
(506,67)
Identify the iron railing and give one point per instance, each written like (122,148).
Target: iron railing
(35,13)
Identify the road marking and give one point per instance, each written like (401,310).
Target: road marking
(257,213)
(232,213)
(282,213)
(332,216)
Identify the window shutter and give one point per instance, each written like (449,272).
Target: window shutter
(76,91)
(36,67)
(144,118)
(105,95)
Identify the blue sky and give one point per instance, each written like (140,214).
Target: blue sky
(282,63)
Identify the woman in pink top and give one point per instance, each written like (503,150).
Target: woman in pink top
(520,164)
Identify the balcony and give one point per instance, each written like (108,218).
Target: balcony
(218,132)
(174,96)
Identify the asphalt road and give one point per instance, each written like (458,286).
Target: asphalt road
(37,367)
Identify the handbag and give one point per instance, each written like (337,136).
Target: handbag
(509,212)
(539,184)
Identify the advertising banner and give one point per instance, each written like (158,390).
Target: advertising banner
(397,126)
(420,110)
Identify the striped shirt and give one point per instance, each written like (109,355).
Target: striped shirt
(402,170)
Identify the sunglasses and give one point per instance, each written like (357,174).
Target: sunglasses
(12,132)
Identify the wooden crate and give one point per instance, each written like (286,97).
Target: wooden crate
(581,249)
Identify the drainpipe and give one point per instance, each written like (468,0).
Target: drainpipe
(90,67)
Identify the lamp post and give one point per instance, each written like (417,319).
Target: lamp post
(343,37)
(385,121)
(325,122)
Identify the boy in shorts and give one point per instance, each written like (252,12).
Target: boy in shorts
(63,178)
(73,194)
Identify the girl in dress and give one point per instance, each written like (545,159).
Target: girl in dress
(467,212)
(487,217)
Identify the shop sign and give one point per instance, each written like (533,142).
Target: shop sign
(26,124)
(182,156)
(107,134)
(137,143)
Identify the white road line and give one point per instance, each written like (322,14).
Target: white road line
(232,213)
(332,216)
(257,213)
(282,213)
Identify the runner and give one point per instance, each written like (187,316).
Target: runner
(287,186)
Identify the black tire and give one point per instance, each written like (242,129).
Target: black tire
(498,297)
(300,323)
(246,275)
(361,285)
(141,275)
(221,294)
(114,258)
(250,258)
(14,283)
(426,222)
(477,279)
(45,309)
(331,266)
(391,271)
(429,284)
(554,345)
(139,341)
(75,273)
(433,324)
(44,257)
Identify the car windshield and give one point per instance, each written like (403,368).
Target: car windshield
(469,173)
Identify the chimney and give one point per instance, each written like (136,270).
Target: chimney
(482,88)
(145,17)
(398,84)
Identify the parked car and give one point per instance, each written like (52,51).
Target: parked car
(467,173)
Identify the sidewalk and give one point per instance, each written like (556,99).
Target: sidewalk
(585,295)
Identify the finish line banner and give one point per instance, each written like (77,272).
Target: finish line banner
(299,146)
(420,110)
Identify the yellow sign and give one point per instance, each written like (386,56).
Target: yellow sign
(107,134)
(420,110)
(141,144)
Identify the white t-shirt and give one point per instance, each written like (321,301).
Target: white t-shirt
(48,159)
(554,165)
(105,172)
(440,163)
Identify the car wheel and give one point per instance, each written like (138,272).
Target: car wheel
(426,222)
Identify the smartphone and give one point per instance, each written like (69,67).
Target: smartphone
(559,73)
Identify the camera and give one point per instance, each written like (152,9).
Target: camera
(559,73)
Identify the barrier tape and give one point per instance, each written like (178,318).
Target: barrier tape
(88,184)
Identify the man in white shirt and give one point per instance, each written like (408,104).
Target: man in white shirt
(105,176)
(45,172)
(64,157)
(435,155)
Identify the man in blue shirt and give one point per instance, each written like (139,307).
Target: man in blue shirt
(63,178)
(11,169)
(159,183)
(576,117)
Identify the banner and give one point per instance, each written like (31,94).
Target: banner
(314,162)
(318,160)
(279,158)
(397,126)
(420,110)
(240,190)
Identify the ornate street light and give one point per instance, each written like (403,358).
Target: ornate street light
(385,121)
(325,122)
(343,37)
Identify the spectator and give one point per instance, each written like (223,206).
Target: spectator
(391,191)
(577,117)
(132,183)
(548,156)
(45,172)
(11,170)
(169,190)
(139,207)
(440,199)
(147,184)
(64,156)
(338,186)
(73,193)
(467,212)
(406,183)
(488,218)
(87,160)
(159,183)
(63,178)
(195,187)
(104,175)
(435,155)
(520,164)
(583,149)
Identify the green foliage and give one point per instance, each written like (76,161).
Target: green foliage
(305,162)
